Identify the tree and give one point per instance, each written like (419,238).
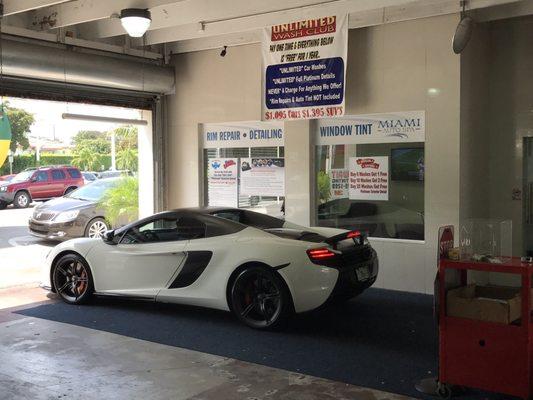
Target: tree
(126,137)
(86,159)
(127,159)
(82,136)
(121,203)
(96,141)
(21,122)
(324,186)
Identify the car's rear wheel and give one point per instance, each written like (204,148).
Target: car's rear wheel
(72,279)
(96,228)
(3,205)
(22,200)
(260,298)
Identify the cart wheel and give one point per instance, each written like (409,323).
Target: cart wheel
(445,391)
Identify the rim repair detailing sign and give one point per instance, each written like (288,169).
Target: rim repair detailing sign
(242,134)
(304,68)
(369,178)
(222,187)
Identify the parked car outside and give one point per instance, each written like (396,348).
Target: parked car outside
(115,174)
(39,184)
(77,214)
(88,177)
(7,178)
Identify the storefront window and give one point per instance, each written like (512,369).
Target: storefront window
(370,184)
(250,177)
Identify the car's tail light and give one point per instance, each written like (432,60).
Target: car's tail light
(320,254)
(353,234)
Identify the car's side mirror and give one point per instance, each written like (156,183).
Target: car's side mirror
(109,237)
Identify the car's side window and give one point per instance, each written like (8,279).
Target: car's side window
(58,175)
(165,229)
(74,173)
(41,176)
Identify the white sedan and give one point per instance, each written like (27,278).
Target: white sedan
(259,267)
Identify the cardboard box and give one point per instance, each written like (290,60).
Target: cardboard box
(485,303)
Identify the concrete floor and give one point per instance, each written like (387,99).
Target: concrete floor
(21,255)
(41,359)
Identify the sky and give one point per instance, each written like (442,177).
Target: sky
(49,123)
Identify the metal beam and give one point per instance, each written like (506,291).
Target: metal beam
(29,34)
(237,32)
(12,7)
(180,13)
(361,13)
(81,11)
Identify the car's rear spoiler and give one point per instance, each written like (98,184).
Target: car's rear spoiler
(357,236)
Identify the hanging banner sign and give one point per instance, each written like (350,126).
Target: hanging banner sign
(242,134)
(369,178)
(263,177)
(222,182)
(304,68)
(338,179)
(395,127)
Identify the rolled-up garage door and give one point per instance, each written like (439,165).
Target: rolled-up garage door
(56,72)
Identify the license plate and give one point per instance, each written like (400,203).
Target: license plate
(363,273)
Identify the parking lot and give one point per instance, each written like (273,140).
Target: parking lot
(21,255)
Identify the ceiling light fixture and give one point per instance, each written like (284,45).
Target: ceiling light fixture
(135,21)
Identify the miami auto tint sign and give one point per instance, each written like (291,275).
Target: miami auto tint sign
(304,68)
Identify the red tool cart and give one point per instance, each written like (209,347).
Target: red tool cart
(486,355)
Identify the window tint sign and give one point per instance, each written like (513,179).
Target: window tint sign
(304,68)
(396,127)
(369,178)
(242,134)
(339,178)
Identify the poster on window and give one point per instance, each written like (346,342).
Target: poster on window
(263,176)
(369,178)
(222,182)
(338,183)
(304,68)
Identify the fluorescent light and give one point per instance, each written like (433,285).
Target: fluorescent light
(96,118)
(135,21)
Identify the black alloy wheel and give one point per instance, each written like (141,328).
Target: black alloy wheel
(72,279)
(260,299)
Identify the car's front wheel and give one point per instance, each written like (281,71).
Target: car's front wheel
(260,298)
(22,200)
(96,228)
(72,279)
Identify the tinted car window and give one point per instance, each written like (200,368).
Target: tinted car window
(41,176)
(165,229)
(57,175)
(94,191)
(74,173)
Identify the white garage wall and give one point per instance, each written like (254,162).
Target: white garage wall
(390,68)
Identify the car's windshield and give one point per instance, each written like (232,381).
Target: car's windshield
(93,191)
(23,176)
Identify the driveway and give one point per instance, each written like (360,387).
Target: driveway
(21,255)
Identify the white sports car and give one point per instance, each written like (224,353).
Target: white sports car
(261,268)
